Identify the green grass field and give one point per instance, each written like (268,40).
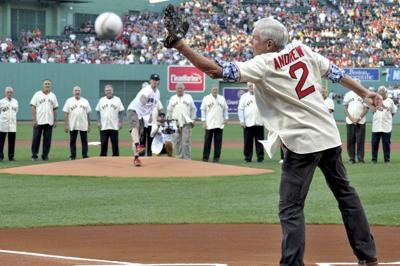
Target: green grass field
(32,201)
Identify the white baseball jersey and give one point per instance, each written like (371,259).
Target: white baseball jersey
(152,99)
(382,120)
(355,106)
(330,105)
(109,110)
(248,111)
(214,111)
(45,105)
(182,109)
(78,111)
(288,85)
(154,114)
(8,115)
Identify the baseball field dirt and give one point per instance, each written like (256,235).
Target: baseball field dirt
(198,244)
(123,167)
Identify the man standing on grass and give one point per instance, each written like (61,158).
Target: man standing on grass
(44,115)
(250,121)
(110,111)
(77,120)
(382,126)
(355,110)
(214,114)
(288,84)
(8,123)
(182,109)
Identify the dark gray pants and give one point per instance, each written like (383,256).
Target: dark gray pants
(356,137)
(209,134)
(113,136)
(72,143)
(252,135)
(47,131)
(297,173)
(11,144)
(376,137)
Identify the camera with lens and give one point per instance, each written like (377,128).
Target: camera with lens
(168,128)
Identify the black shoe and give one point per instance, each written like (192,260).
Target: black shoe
(85,157)
(11,159)
(368,262)
(260,160)
(352,161)
(205,160)
(45,158)
(71,158)
(34,159)
(247,161)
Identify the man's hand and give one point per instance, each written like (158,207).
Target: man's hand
(242,125)
(120,125)
(66,129)
(99,125)
(374,99)
(54,124)
(176,25)
(192,125)
(35,124)
(205,125)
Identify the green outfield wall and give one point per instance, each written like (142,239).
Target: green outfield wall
(26,79)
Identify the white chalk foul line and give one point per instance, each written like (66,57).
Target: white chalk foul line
(13,252)
(65,257)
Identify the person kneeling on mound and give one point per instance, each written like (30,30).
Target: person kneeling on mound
(164,134)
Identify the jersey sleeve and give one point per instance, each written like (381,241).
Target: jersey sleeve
(98,106)
(121,106)
(346,99)
(252,70)
(55,102)
(34,100)
(66,107)
(322,63)
(88,109)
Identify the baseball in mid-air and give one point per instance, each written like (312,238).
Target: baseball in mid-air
(108,25)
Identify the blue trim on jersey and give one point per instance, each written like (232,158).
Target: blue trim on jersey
(231,72)
(335,73)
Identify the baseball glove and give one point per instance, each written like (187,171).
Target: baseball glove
(176,25)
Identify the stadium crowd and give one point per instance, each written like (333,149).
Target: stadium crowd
(350,33)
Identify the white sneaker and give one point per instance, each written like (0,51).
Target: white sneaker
(281,161)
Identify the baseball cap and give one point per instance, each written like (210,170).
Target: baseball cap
(155,77)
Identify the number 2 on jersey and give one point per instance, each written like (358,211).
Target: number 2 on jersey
(301,93)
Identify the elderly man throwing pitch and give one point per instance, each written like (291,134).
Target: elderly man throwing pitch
(77,120)
(8,123)
(288,83)
(182,109)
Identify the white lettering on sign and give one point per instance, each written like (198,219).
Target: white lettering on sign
(191,79)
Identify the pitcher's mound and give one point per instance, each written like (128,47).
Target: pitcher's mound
(123,167)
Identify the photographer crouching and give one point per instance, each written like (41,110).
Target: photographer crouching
(163,136)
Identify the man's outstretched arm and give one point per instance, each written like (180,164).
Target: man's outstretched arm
(211,68)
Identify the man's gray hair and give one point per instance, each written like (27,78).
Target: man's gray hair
(382,88)
(76,87)
(271,29)
(109,86)
(8,89)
